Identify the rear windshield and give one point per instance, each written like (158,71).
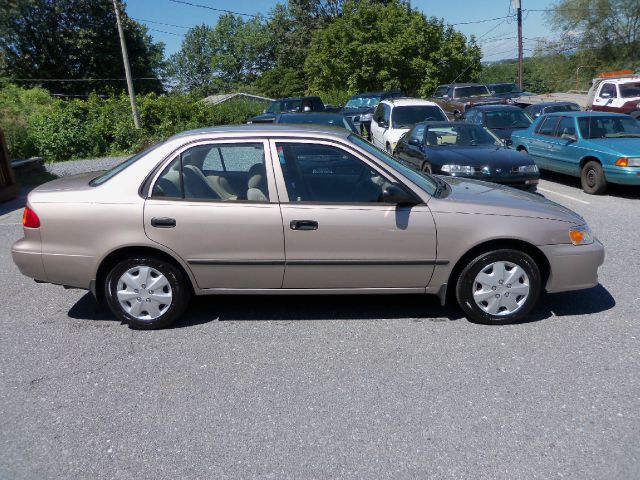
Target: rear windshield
(408,116)
(475,91)
(285,106)
(505,88)
(566,107)
(109,174)
(506,119)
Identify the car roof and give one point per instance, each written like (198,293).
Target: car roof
(266,129)
(550,104)
(494,107)
(501,83)
(447,124)
(375,94)
(405,102)
(586,114)
(310,114)
(295,98)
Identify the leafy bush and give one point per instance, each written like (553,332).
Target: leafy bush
(36,124)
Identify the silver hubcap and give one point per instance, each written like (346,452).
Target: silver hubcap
(144,293)
(501,288)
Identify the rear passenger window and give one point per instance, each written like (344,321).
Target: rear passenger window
(218,172)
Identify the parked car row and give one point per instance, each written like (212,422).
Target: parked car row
(420,134)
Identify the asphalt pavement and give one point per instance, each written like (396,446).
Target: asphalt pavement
(328,387)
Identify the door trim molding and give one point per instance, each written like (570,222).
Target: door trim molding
(315,262)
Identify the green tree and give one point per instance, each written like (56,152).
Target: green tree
(74,39)
(373,46)
(226,57)
(191,68)
(611,28)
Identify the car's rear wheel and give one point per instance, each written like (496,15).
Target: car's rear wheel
(499,287)
(146,293)
(592,178)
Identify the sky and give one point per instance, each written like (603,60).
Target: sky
(497,37)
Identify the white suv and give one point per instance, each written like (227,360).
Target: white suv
(396,116)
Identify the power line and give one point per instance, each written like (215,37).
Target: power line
(199,5)
(164,31)
(160,23)
(76,79)
(481,21)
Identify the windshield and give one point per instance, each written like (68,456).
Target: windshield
(109,174)
(567,107)
(505,88)
(462,135)
(475,91)
(506,119)
(628,90)
(408,116)
(360,102)
(285,106)
(422,180)
(608,127)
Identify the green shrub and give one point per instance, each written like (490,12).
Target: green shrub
(36,124)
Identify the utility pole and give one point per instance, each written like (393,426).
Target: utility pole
(127,68)
(518,5)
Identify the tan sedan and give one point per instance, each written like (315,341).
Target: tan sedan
(297,210)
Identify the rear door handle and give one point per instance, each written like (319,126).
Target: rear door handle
(163,222)
(303,225)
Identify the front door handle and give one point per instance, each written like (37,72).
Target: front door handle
(163,222)
(303,225)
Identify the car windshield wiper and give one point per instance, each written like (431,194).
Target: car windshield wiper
(623,135)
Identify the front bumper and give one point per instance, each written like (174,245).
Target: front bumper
(527,182)
(622,175)
(573,267)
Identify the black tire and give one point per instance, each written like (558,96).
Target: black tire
(466,286)
(181,293)
(592,178)
(426,168)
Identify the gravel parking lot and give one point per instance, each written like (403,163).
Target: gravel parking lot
(355,387)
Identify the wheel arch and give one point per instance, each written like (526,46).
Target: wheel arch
(589,158)
(495,244)
(115,256)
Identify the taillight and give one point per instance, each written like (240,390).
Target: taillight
(30,219)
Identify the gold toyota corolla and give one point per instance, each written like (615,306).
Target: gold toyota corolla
(264,209)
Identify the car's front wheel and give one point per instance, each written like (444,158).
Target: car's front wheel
(499,287)
(146,293)
(592,178)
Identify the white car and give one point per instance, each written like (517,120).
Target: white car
(396,116)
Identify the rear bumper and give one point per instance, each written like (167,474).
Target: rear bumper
(28,257)
(573,267)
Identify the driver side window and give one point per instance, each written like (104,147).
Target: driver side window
(328,174)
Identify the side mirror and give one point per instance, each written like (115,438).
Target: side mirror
(395,194)
(264,111)
(414,142)
(383,124)
(507,142)
(605,95)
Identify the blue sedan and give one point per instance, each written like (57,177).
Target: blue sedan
(598,147)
